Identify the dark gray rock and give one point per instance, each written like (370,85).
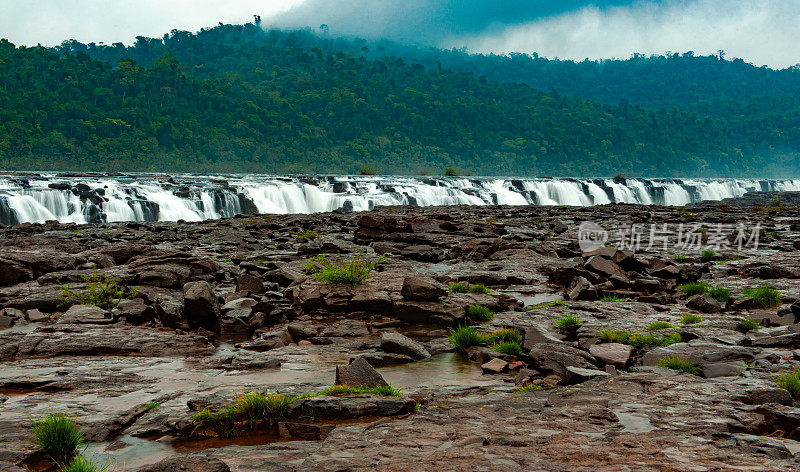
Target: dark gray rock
(358,373)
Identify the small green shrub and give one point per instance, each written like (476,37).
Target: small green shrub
(764,297)
(638,340)
(480,288)
(679,258)
(507,347)
(466,336)
(690,319)
(480,313)
(746,325)
(614,298)
(459,287)
(659,325)
(81,464)
(58,435)
(720,294)
(450,172)
(568,321)
(693,288)
(306,233)
(790,381)
(150,406)
(349,270)
(707,255)
(99,290)
(679,363)
(504,335)
(364,170)
(529,387)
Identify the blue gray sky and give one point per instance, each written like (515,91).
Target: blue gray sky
(763,32)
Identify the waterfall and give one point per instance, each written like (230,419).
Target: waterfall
(37,198)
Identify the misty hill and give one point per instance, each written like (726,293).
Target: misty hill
(237,98)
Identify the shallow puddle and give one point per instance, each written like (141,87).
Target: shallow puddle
(450,369)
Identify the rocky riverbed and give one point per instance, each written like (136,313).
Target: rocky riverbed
(212,310)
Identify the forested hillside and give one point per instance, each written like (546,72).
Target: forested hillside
(237,98)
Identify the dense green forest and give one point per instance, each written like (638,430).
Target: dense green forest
(238,98)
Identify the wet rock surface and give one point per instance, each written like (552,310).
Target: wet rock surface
(218,308)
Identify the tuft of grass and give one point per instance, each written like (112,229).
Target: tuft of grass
(553,303)
(693,288)
(638,340)
(659,325)
(679,258)
(720,294)
(764,297)
(459,287)
(349,270)
(568,321)
(81,464)
(99,290)
(529,387)
(150,406)
(306,233)
(58,435)
(381,390)
(614,298)
(690,319)
(480,313)
(679,363)
(466,336)
(746,325)
(507,347)
(504,335)
(790,381)
(252,407)
(480,288)
(707,255)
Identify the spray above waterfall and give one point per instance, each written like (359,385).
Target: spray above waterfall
(94,199)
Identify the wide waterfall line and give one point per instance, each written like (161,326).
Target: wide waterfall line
(37,198)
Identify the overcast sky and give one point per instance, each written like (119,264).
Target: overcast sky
(759,31)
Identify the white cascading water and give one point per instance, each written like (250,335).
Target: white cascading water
(37,198)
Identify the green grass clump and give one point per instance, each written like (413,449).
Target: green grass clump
(679,258)
(790,381)
(507,347)
(480,288)
(349,270)
(380,390)
(529,387)
(480,313)
(638,340)
(252,407)
(553,303)
(659,325)
(679,363)
(746,325)
(693,288)
(58,435)
(614,298)
(707,255)
(764,297)
(98,290)
(459,287)
(504,335)
(568,321)
(81,464)
(690,319)
(720,294)
(150,405)
(306,233)
(466,336)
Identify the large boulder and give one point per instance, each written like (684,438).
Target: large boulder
(615,354)
(358,372)
(704,304)
(581,289)
(351,406)
(555,358)
(200,305)
(85,314)
(421,288)
(603,266)
(393,342)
